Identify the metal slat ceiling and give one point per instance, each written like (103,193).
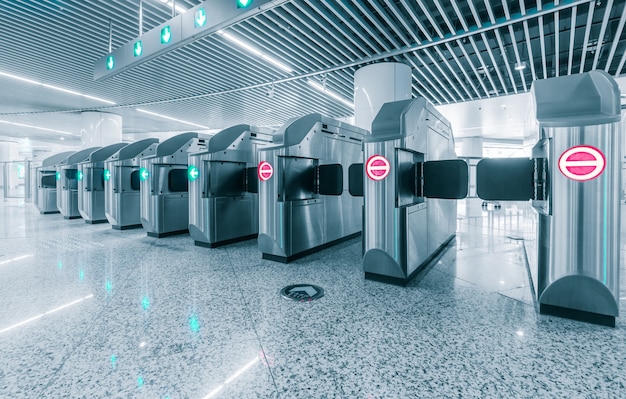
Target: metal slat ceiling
(460,50)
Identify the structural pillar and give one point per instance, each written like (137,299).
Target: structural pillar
(377,84)
(99,129)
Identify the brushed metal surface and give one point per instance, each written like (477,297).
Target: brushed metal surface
(171,155)
(582,230)
(407,232)
(306,220)
(220,209)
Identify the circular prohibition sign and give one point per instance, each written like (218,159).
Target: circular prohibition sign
(377,167)
(582,163)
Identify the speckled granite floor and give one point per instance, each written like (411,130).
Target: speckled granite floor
(108,313)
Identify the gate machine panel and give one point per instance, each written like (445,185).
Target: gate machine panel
(67,183)
(223,199)
(303,205)
(91,184)
(46,189)
(573,180)
(411,183)
(121,184)
(164,185)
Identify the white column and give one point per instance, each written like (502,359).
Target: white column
(377,84)
(99,129)
(471,147)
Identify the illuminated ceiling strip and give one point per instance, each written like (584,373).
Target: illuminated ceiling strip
(255,51)
(36,127)
(34,82)
(331,93)
(15,259)
(170,118)
(178,8)
(39,316)
(232,378)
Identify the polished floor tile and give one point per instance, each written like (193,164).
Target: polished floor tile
(91,312)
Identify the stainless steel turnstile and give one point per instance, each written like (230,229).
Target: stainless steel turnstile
(303,204)
(411,182)
(164,185)
(223,199)
(121,184)
(45,197)
(91,184)
(573,180)
(67,183)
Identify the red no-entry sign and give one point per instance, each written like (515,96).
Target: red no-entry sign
(377,167)
(265,171)
(582,163)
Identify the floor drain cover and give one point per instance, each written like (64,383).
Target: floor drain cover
(302,292)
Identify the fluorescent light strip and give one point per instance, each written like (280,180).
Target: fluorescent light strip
(15,259)
(34,82)
(255,51)
(36,127)
(170,118)
(39,316)
(332,94)
(232,378)
(178,8)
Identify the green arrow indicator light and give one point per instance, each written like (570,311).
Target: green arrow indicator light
(110,62)
(107,174)
(138,48)
(58,175)
(199,19)
(193,172)
(166,34)
(143,174)
(243,3)
(79,175)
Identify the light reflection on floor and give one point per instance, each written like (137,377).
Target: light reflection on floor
(169,319)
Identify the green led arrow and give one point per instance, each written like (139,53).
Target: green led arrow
(107,174)
(143,174)
(243,3)
(137,49)
(199,18)
(58,175)
(166,34)
(193,172)
(79,175)
(110,62)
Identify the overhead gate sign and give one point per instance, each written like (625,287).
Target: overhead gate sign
(582,163)
(377,167)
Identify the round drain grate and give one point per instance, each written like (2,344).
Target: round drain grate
(302,292)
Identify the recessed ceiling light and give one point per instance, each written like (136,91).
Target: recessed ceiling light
(48,86)
(255,51)
(330,93)
(171,118)
(520,66)
(36,127)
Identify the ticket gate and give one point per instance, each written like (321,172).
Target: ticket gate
(223,199)
(67,183)
(164,185)
(411,183)
(45,196)
(91,184)
(121,184)
(573,181)
(303,205)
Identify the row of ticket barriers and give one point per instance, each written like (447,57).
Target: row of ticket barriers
(317,181)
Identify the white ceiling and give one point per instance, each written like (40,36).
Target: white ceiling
(462,53)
